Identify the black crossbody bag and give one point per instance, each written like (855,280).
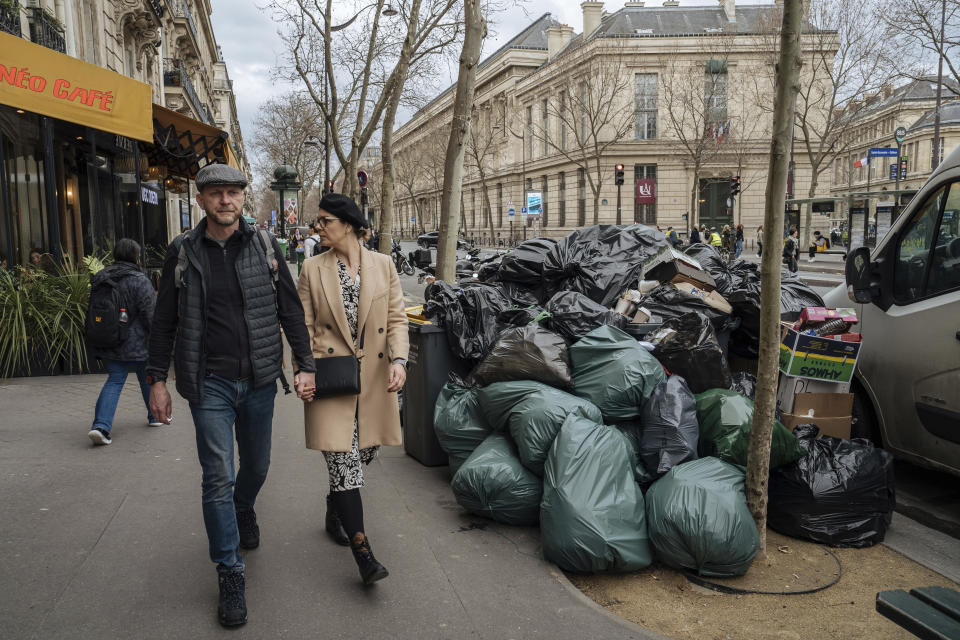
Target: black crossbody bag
(339,375)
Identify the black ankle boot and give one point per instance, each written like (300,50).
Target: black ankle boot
(334,525)
(370,569)
(232,609)
(248,529)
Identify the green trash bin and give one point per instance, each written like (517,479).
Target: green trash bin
(283,246)
(428,367)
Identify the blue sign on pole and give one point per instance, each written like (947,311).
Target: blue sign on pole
(893,172)
(883,152)
(273,216)
(511,211)
(523,211)
(412,219)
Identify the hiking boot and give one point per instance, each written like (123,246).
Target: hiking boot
(370,569)
(248,529)
(232,609)
(98,436)
(334,525)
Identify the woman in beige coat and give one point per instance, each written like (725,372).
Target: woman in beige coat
(353,304)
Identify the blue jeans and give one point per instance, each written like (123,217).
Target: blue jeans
(231,407)
(739,248)
(110,393)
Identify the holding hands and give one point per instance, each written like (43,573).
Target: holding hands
(305,385)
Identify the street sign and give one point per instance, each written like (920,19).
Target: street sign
(273,217)
(413,219)
(511,211)
(362,178)
(893,172)
(900,134)
(523,211)
(883,152)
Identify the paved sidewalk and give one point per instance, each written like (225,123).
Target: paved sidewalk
(108,542)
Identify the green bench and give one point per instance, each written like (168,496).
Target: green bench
(927,612)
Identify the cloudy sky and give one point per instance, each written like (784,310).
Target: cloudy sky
(253,50)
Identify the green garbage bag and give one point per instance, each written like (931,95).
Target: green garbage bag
(458,423)
(698,519)
(725,418)
(613,371)
(592,517)
(631,429)
(492,483)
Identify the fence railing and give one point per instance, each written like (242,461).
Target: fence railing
(10,18)
(46,30)
(175,75)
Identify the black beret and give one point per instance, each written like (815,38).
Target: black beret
(344,208)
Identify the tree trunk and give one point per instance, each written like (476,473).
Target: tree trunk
(758,455)
(694,209)
(475,31)
(808,217)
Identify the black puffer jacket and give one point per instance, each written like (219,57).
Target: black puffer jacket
(140,298)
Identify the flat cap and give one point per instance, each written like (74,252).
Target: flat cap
(344,208)
(220,174)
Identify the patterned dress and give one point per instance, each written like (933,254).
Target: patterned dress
(344,467)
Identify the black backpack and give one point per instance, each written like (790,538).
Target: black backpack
(104,327)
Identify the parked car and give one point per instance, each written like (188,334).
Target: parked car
(429,239)
(907,296)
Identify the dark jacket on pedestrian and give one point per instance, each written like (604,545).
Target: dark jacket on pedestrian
(138,295)
(694,236)
(225,316)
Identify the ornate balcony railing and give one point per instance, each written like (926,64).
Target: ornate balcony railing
(46,30)
(183,11)
(10,18)
(175,75)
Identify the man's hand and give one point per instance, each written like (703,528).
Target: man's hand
(398,377)
(305,385)
(161,406)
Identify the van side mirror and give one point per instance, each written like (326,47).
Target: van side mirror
(858,273)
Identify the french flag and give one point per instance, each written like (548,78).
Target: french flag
(861,162)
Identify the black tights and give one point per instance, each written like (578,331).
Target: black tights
(350,508)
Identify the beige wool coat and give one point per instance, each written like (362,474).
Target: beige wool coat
(329,421)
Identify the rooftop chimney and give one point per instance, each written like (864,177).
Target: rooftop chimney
(632,4)
(730,9)
(671,3)
(592,12)
(558,36)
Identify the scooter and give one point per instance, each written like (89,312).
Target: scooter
(402,263)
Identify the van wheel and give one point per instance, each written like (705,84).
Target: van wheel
(865,424)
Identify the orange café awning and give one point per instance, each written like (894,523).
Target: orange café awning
(184,145)
(44,81)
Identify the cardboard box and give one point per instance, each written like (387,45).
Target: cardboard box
(788,387)
(815,357)
(817,315)
(712,298)
(831,412)
(678,271)
(643,315)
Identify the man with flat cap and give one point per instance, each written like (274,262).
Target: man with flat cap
(224,293)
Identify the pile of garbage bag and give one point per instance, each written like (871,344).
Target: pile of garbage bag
(493,483)
(468,314)
(574,315)
(669,430)
(841,493)
(687,346)
(524,264)
(458,422)
(529,352)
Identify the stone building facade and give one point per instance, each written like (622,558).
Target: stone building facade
(681,96)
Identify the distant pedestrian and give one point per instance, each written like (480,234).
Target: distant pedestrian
(818,245)
(694,235)
(739,241)
(225,292)
(760,241)
(727,236)
(715,240)
(790,251)
(673,237)
(337,290)
(312,242)
(132,331)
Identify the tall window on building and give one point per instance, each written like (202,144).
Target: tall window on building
(545,127)
(528,138)
(645,189)
(545,217)
(562,199)
(581,197)
(563,119)
(715,91)
(645,106)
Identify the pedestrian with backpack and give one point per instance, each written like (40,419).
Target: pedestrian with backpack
(118,328)
(225,292)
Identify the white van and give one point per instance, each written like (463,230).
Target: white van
(907,386)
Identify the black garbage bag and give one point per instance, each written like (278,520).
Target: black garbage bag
(615,372)
(688,347)
(709,258)
(519,317)
(841,493)
(489,269)
(529,352)
(601,261)
(667,302)
(574,315)
(670,430)
(458,422)
(492,483)
(592,518)
(725,419)
(525,263)
(535,421)
(521,294)
(744,383)
(795,295)
(698,519)
(468,314)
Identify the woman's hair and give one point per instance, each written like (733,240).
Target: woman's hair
(362,234)
(127,250)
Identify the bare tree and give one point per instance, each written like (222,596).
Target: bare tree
(915,26)
(761,432)
(482,150)
(475,32)
(694,94)
(591,107)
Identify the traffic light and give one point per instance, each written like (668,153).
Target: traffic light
(329,186)
(734,186)
(619,174)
